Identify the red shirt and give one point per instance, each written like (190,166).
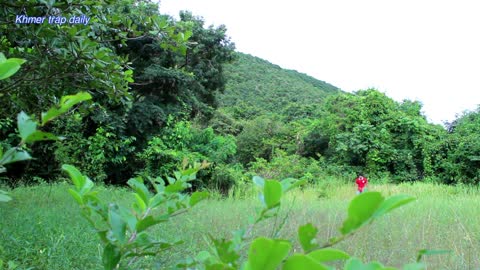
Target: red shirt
(361,182)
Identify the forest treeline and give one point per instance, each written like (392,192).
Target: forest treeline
(167,89)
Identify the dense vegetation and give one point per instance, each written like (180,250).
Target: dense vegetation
(158,94)
(164,90)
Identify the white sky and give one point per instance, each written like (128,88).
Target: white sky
(426,50)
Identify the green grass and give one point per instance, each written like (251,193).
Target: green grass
(42,227)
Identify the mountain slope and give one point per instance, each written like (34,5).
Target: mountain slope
(257,85)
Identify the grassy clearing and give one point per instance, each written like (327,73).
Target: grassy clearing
(42,228)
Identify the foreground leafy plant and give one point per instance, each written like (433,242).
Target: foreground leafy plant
(123,230)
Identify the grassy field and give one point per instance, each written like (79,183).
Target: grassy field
(42,227)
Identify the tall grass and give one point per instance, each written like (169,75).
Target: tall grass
(42,227)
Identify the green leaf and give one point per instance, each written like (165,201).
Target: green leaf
(203,256)
(117,224)
(361,210)
(66,102)
(291,183)
(302,262)
(41,136)
(140,202)
(226,251)
(328,254)
(272,192)
(391,203)
(128,217)
(139,187)
(197,197)
(87,185)
(257,180)
(8,68)
(76,176)
(176,187)
(267,254)
(427,252)
(149,221)
(26,126)
(110,257)
(76,196)
(14,155)
(156,200)
(306,235)
(16,60)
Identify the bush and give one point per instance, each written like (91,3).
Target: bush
(95,154)
(227,176)
(181,141)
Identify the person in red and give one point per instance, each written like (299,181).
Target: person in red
(361,182)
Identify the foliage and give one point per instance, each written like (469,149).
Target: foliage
(178,71)
(262,136)
(98,155)
(62,58)
(461,150)
(26,125)
(256,87)
(180,141)
(124,231)
(371,131)
(29,133)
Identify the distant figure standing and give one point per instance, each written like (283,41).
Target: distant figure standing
(362,183)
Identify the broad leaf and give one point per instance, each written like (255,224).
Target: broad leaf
(110,257)
(391,203)
(66,102)
(226,251)
(328,254)
(139,187)
(176,187)
(361,210)
(9,67)
(290,183)
(128,217)
(41,136)
(76,176)
(140,203)
(13,155)
(76,196)
(26,126)
(257,180)
(197,197)
(149,221)
(267,254)
(306,235)
(272,192)
(117,224)
(302,262)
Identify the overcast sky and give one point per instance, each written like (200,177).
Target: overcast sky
(426,50)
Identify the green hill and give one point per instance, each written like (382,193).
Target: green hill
(259,87)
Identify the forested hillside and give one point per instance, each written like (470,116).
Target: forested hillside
(257,86)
